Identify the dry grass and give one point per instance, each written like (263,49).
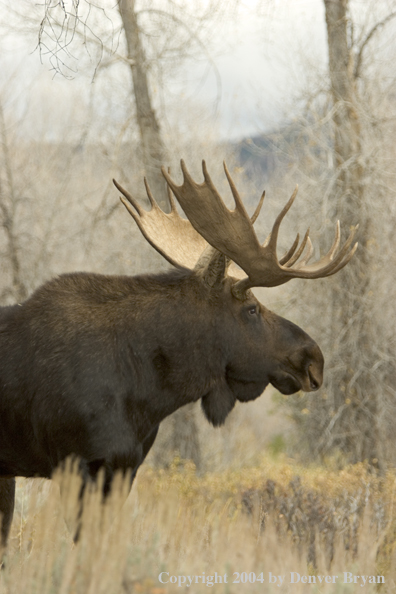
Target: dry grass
(257,520)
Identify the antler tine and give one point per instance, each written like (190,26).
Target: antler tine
(318,270)
(309,253)
(330,269)
(151,198)
(345,261)
(328,261)
(205,172)
(130,199)
(324,260)
(272,238)
(170,195)
(289,261)
(293,258)
(256,213)
(286,257)
(130,210)
(238,202)
(186,175)
(275,229)
(336,242)
(327,258)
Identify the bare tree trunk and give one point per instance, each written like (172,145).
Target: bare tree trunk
(184,428)
(8,204)
(345,116)
(153,150)
(353,427)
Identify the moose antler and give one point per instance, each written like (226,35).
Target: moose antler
(231,232)
(171,235)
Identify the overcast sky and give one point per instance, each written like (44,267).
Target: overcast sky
(261,59)
(264,68)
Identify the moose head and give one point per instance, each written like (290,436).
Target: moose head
(262,347)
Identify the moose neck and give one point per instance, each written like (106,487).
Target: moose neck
(166,341)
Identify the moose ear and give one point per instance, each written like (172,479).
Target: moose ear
(212,266)
(218,403)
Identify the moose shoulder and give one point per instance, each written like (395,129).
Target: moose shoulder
(91,364)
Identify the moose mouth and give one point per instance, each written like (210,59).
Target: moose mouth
(285,381)
(288,382)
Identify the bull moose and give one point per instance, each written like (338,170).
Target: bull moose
(91,364)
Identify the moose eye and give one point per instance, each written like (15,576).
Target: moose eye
(253,310)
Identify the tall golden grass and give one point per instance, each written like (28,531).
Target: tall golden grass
(275,518)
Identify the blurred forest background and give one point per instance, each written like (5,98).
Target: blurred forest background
(291,91)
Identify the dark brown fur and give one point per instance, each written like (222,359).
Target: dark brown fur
(90,365)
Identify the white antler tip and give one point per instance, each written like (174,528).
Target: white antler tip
(292,197)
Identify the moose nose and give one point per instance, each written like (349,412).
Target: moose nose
(314,381)
(313,369)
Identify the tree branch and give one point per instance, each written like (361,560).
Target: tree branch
(367,39)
